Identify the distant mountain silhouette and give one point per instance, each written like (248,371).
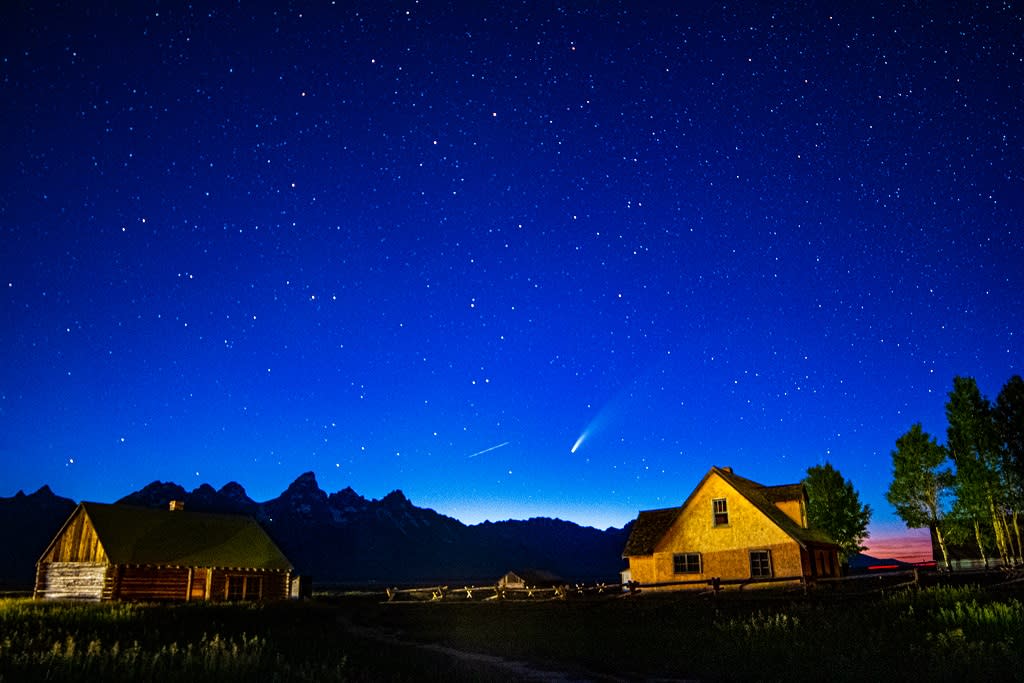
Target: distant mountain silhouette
(27,525)
(343,538)
(860,562)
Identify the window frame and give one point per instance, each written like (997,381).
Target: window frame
(682,563)
(719,517)
(243,587)
(762,563)
(234,587)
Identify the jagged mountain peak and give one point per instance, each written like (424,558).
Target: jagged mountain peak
(305,480)
(43,491)
(303,499)
(347,500)
(234,491)
(396,499)
(155,494)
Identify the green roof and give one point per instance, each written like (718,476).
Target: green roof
(144,536)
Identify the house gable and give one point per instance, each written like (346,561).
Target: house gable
(694,528)
(77,541)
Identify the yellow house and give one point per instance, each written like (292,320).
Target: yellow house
(730,528)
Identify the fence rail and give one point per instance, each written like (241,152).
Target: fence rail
(870,582)
(498,592)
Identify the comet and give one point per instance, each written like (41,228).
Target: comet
(488,450)
(578,442)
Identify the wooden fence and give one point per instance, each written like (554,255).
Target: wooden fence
(856,583)
(497,592)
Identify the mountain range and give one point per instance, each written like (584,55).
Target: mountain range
(343,538)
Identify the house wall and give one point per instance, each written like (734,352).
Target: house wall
(794,509)
(821,562)
(71,580)
(272,586)
(642,569)
(724,549)
(152,583)
(77,542)
(511,580)
(183,583)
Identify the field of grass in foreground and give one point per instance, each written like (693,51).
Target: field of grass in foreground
(201,642)
(941,633)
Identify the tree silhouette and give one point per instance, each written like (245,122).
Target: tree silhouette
(834,506)
(920,483)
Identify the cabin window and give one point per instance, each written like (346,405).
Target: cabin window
(253,587)
(721,512)
(245,587)
(686,563)
(236,587)
(760,563)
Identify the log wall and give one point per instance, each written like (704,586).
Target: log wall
(274,585)
(72,581)
(153,583)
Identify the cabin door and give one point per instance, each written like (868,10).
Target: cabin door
(198,588)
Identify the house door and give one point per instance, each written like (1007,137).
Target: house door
(198,588)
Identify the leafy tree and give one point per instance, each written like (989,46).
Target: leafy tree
(1008,415)
(919,483)
(972,442)
(834,506)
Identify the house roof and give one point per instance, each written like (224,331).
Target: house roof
(649,528)
(652,525)
(136,535)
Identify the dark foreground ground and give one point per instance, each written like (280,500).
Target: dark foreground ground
(944,632)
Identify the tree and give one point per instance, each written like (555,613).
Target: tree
(919,485)
(1008,415)
(973,444)
(834,506)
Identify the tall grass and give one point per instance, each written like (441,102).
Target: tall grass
(938,633)
(931,634)
(129,642)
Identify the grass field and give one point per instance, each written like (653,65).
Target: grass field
(940,633)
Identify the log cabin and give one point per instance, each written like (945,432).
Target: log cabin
(124,552)
(731,529)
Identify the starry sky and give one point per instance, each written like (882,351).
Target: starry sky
(515,259)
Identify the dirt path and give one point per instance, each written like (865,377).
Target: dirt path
(515,670)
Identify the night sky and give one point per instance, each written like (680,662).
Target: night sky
(515,259)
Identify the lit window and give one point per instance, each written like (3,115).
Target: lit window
(721,511)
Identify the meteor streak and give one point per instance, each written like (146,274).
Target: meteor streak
(488,450)
(578,442)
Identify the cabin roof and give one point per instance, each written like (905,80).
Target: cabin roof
(652,525)
(136,535)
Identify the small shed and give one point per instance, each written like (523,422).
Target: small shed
(124,552)
(530,578)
